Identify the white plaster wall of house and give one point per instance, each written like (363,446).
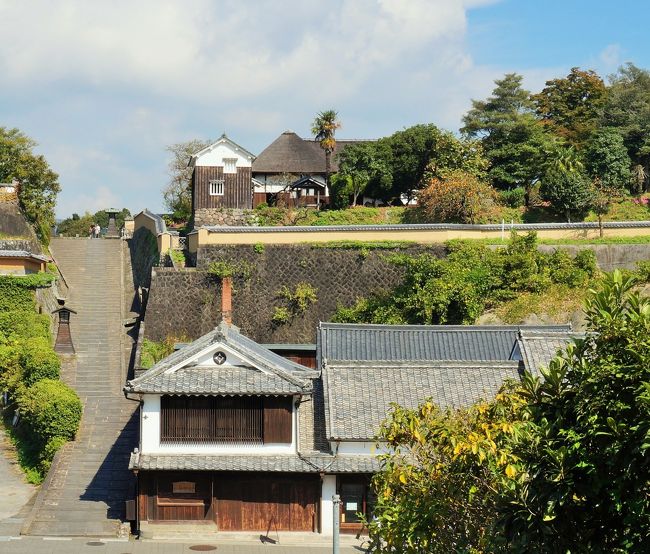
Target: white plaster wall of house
(328,489)
(215,157)
(357,448)
(150,437)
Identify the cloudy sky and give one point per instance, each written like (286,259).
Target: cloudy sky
(104,86)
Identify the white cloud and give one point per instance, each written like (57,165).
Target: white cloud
(610,56)
(126,78)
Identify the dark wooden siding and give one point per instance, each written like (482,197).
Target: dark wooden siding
(235,501)
(302,357)
(237,191)
(248,502)
(277,419)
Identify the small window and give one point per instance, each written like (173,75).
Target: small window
(230,165)
(216,187)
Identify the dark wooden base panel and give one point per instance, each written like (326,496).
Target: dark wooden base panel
(235,501)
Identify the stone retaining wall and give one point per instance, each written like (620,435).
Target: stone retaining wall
(224,216)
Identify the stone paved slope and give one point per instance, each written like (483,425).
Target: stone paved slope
(85,491)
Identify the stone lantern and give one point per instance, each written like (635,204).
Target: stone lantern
(112,232)
(63,342)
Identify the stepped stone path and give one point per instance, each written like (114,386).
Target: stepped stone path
(85,490)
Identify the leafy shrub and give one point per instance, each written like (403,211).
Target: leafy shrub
(11,372)
(23,324)
(513,198)
(177,256)
(154,351)
(281,315)
(459,198)
(223,269)
(47,453)
(643,271)
(38,360)
(298,301)
(50,408)
(258,248)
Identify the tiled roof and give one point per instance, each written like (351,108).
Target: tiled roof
(254,462)
(269,374)
(22,254)
(538,348)
(358,396)
(407,343)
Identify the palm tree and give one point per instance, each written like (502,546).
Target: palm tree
(323,128)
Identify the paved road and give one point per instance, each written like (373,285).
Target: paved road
(16,492)
(33,545)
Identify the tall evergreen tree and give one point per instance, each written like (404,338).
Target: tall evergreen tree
(513,139)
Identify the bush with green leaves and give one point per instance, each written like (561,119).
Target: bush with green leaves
(513,198)
(49,408)
(297,300)
(472,278)
(47,453)
(38,360)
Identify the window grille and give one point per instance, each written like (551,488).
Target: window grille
(216,187)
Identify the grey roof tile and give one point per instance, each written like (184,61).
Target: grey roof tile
(359,396)
(538,348)
(270,374)
(285,463)
(353,342)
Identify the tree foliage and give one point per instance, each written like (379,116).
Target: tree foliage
(551,465)
(572,106)
(473,277)
(177,194)
(324,129)
(570,193)
(458,198)
(606,159)
(584,481)
(79,225)
(514,140)
(39,185)
(358,165)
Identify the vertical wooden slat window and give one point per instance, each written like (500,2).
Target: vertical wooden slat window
(204,419)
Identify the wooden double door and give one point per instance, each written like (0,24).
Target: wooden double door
(235,501)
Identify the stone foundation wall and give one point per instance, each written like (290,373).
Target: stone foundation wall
(224,216)
(187,300)
(182,303)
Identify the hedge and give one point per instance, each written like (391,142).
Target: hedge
(16,324)
(38,360)
(50,409)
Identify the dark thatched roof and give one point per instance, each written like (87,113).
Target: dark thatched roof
(290,153)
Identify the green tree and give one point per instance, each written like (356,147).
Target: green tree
(584,482)
(514,140)
(324,129)
(606,158)
(39,185)
(358,164)
(420,153)
(177,194)
(628,110)
(569,192)
(572,106)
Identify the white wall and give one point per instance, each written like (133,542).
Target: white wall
(215,156)
(327,517)
(150,437)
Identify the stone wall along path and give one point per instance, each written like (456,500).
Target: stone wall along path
(85,490)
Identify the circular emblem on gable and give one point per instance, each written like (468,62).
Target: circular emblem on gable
(219,357)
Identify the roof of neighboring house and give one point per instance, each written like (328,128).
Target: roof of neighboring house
(358,395)
(290,153)
(254,462)
(395,343)
(223,139)
(538,348)
(267,372)
(23,254)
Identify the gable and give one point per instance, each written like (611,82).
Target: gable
(221,150)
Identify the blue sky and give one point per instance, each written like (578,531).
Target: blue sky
(105,86)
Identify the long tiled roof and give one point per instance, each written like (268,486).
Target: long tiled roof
(279,463)
(538,348)
(407,343)
(269,373)
(359,395)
